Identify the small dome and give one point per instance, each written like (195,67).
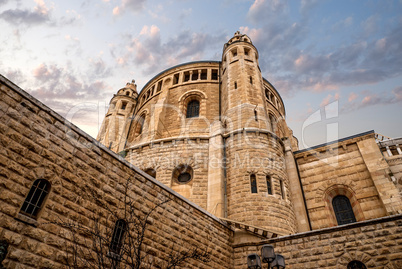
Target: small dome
(130,89)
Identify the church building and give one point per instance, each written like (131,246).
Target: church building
(212,137)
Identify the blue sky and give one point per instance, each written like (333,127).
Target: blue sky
(337,64)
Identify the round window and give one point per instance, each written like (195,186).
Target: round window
(182,174)
(184,177)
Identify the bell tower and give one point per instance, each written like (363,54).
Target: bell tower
(256,181)
(121,107)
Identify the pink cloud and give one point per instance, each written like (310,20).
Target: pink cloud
(352,96)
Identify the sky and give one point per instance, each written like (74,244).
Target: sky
(336,64)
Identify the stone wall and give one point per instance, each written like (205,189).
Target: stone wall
(343,168)
(164,156)
(376,243)
(37,143)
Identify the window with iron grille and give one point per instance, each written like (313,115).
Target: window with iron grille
(117,240)
(193,109)
(343,210)
(253,183)
(34,200)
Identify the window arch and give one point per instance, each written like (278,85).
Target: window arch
(269,184)
(253,183)
(356,265)
(35,198)
(343,210)
(151,172)
(140,124)
(272,121)
(183,174)
(282,188)
(193,109)
(118,236)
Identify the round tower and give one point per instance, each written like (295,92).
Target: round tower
(252,115)
(121,107)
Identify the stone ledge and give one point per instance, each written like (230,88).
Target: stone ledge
(324,231)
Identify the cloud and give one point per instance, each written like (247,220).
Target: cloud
(53,83)
(352,97)
(153,55)
(263,9)
(373,99)
(39,15)
(135,6)
(329,99)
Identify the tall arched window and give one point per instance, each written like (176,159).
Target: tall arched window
(118,236)
(253,183)
(140,125)
(193,109)
(34,200)
(272,121)
(282,188)
(269,184)
(343,210)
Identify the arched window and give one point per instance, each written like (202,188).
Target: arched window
(34,200)
(253,183)
(182,174)
(282,188)
(272,121)
(356,265)
(151,172)
(140,125)
(269,184)
(193,109)
(343,210)
(118,236)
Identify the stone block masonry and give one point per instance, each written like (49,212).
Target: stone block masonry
(376,243)
(36,143)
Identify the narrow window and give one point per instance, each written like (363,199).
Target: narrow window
(253,183)
(203,74)
(159,86)
(269,184)
(267,93)
(246,51)
(176,79)
(140,124)
(251,80)
(123,105)
(193,109)
(186,76)
(255,115)
(34,200)
(234,52)
(282,190)
(194,76)
(235,85)
(343,210)
(272,122)
(214,74)
(118,236)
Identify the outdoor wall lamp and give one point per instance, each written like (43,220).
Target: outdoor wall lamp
(268,256)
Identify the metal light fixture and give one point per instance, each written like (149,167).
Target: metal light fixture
(279,262)
(253,261)
(267,253)
(275,261)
